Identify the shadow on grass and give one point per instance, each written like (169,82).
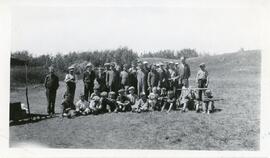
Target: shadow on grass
(217,110)
(33,119)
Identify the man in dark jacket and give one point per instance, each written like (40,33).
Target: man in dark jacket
(88,80)
(152,78)
(51,84)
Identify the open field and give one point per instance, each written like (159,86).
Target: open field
(234,77)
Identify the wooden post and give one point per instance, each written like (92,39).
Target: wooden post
(26,90)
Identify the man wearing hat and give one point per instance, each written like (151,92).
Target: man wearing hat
(111,78)
(146,70)
(202,79)
(163,78)
(101,79)
(152,78)
(124,78)
(88,80)
(51,84)
(183,72)
(71,84)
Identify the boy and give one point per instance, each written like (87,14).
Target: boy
(111,105)
(95,93)
(170,103)
(67,104)
(103,106)
(202,80)
(82,106)
(94,105)
(208,103)
(153,98)
(141,105)
(132,96)
(123,103)
(184,97)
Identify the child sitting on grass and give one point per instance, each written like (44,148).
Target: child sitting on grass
(169,103)
(141,105)
(68,106)
(123,103)
(95,93)
(153,98)
(112,102)
(103,106)
(82,106)
(162,98)
(208,103)
(184,97)
(94,105)
(132,96)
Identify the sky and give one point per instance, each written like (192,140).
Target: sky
(52,29)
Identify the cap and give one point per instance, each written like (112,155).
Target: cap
(103,94)
(96,98)
(106,64)
(71,67)
(170,93)
(142,94)
(176,63)
(145,62)
(89,64)
(121,90)
(208,91)
(163,89)
(170,62)
(131,88)
(112,93)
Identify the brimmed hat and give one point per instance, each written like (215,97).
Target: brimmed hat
(142,94)
(163,89)
(96,98)
(131,88)
(89,64)
(71,67)
(106,64)
(176,63)
(121,90)
(104,94)
(208,92)
(145,62)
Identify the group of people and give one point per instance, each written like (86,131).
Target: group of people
(142,87)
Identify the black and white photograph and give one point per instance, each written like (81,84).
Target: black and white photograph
(144,75)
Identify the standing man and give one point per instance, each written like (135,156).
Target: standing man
(140,79)
(183,74)
(146,70)
(133,76)
(111,78)
(152,78)
(124,78)
(88,80)
(51,84)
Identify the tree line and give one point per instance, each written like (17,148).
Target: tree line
(171,54)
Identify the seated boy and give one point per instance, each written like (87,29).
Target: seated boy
(170,102)
(141,105)
(95,93)
(111,105)
(162,98)
(104,107)
(184,97)
(67,105)
(153,98)
(132,96)
(123,103)
(208,103)
(82,106)
(94,105)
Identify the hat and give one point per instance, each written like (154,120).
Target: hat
(112,93)
(103,94)
(170,93)
(142,94)
(208,92)
(163,89)
(176,63)
(131,88)
(106,64)
(71,67)
(89,64)
(112,64)
(96,98)
(51,68)
(145,62)
(121,90)
(161,64)
(170,62)
(182,58)
(157,64)
(202,64)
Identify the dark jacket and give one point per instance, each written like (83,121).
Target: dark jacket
(89,77)
(51,82)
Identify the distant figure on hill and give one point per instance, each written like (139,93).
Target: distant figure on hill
(51,84)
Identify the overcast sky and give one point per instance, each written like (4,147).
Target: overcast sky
(47,29)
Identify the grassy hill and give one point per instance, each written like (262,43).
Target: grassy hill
(234,77)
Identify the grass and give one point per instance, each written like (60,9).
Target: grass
(234,77)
